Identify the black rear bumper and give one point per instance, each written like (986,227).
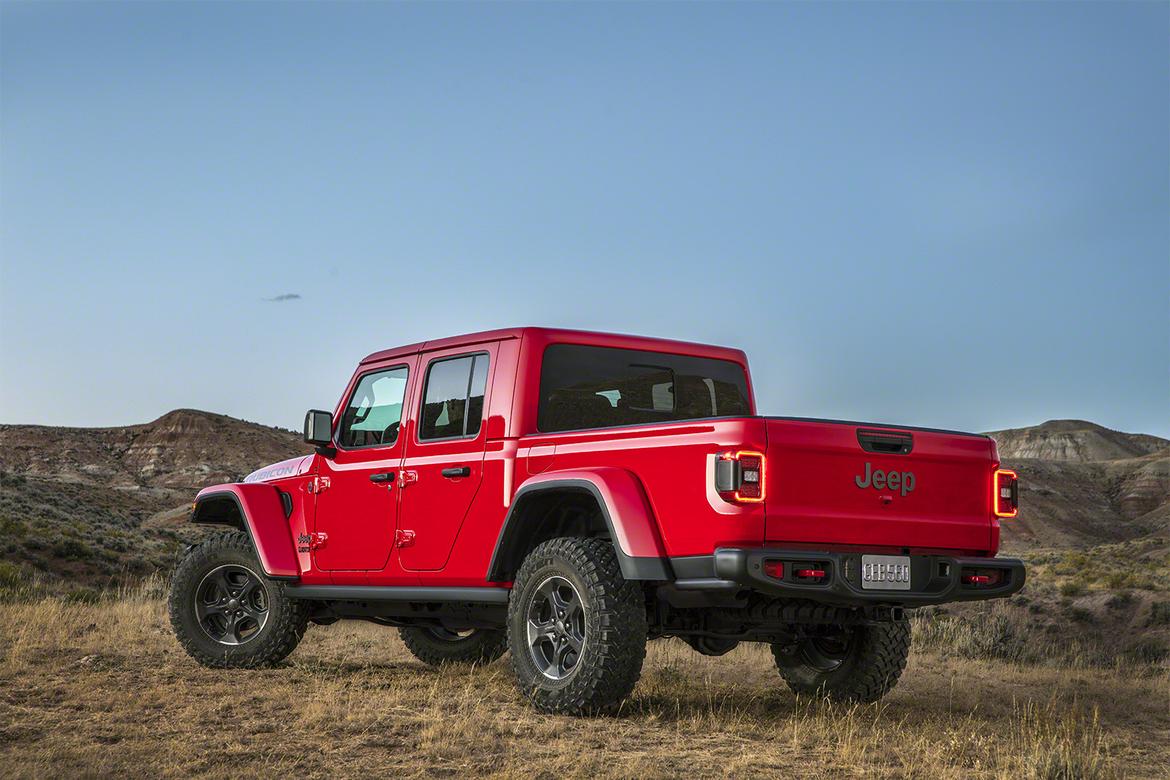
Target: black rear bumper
(934,579)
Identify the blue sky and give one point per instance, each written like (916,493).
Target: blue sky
(951,215)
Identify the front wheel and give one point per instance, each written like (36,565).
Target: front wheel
(576,627)
(846,663)
(226,613)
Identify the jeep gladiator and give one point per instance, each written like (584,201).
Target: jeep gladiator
(566,496)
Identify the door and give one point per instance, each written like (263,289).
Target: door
(443,466)
(356,489)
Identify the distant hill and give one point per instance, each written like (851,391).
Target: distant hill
(1083,484)
(1075,440)
(98,505)
(183,449)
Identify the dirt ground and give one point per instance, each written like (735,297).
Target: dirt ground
(103,689)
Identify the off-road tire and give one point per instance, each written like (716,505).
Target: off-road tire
(869,670)
(281,632)
(614,645)
(481,646)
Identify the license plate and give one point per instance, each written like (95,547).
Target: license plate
(885,572)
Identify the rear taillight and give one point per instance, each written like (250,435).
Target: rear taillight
(1006,498)
(739,476)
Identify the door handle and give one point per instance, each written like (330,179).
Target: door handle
(456,471)
(385,476)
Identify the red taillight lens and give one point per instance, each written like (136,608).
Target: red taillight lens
(739,476)
(1006,498)
(774,569)
(751,468)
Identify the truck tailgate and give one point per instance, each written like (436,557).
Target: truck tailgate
(858,484)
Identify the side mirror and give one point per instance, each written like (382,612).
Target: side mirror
(318,427)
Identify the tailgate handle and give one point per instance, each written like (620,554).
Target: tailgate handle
(885,442)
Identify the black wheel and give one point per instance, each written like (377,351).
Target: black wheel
(846,663)
(226,613)
(435,645)
(576,627)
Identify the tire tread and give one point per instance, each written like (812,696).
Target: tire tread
(610,672)
(866,677)
(281,637)
(482,647)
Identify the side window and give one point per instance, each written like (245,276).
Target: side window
(374,412)
(453,397)
(584,387)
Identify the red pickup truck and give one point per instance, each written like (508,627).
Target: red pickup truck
(566,495)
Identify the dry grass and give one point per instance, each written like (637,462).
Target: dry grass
(102,689)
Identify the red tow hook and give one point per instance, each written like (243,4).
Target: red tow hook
(811,574)
(976,579)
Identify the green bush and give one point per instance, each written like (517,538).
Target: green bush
(72,549)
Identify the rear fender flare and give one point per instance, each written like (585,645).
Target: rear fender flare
(624,507)
(258,510)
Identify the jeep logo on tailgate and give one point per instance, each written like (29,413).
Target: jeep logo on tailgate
(886,480)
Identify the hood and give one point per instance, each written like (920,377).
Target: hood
(293,467)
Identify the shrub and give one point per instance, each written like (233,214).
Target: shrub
(1148,649)
(1159,614)
(1120,600)
(992,636)
(1124,579)
(13,528)
(1071,589)
(72,549)
(83,596)
(8,479)
(10,575)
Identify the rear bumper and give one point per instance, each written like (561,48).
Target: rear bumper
(934,579)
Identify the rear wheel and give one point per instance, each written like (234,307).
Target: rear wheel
(846,663)
(576,627)
(436,645)
(226,613)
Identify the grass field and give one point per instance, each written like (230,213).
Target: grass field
(100,689)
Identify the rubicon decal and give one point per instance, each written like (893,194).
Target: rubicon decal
(886,480)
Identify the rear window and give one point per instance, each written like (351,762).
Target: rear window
(598,387)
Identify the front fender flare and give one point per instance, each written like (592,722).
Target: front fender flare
(257,509)
(624,507)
